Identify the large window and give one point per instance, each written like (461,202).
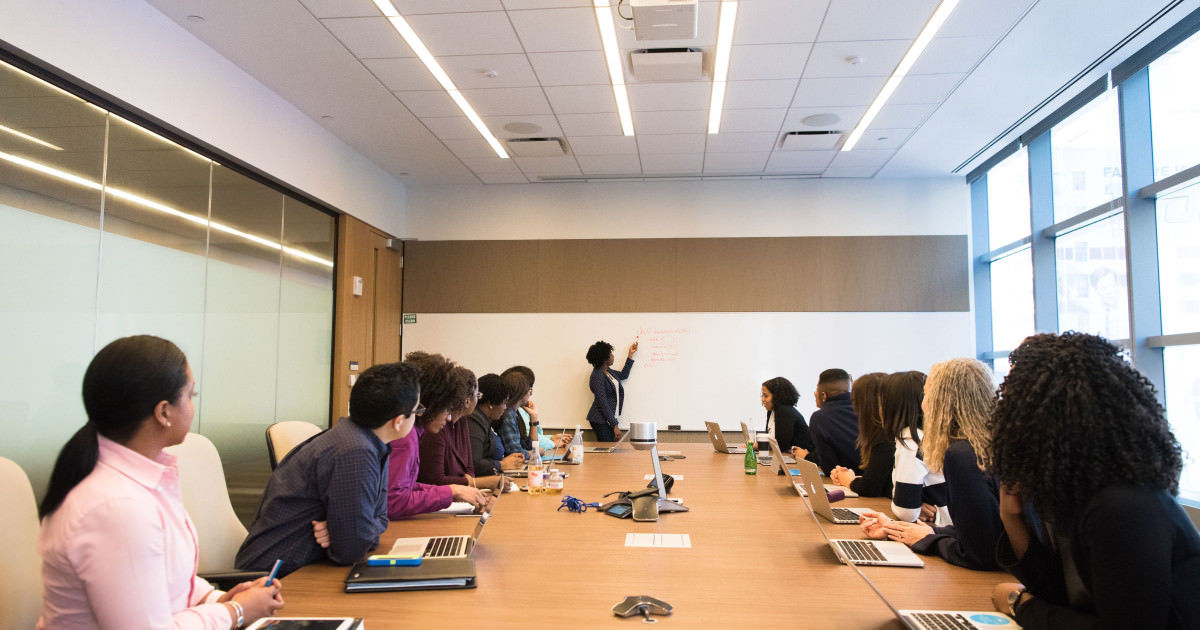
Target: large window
(1092,293)
(1175,108)
(1183,410)
(1008,200)
(1179,260)
(1085,150)
(1012,299)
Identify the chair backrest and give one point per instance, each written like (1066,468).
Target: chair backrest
(206,499)
(282,437)
(21,570)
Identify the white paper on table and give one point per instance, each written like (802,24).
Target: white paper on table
(677,541)
(458,507)
(650,476)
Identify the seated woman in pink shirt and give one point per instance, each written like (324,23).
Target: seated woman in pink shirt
(118,550)
(444,389)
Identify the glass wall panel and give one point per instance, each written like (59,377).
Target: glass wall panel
(1008,200)
(51,163)
(305,314)
(1012,300)
(1183,411)
(1092,294)
(241,325)
(1085,150)
(1175,108)
(1179,260)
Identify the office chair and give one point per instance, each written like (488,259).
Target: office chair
(282,437)
(219,533)
(21,571)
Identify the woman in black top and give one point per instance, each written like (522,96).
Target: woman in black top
(493,401)
(1089,470)
(784,421)
(876,448)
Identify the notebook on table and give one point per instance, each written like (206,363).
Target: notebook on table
(440,575)
(718,439)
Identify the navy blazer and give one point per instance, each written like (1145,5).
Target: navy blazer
(604,408)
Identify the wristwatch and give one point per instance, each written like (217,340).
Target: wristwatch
(1014,598)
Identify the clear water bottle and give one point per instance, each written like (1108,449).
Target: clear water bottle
(554,482)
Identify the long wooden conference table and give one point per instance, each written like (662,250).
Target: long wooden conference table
(757,558)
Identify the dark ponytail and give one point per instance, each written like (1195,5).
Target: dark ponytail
(121,387)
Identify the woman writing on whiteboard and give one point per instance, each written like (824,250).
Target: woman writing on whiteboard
(607,389)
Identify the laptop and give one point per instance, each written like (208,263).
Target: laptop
(446,547)
(793,473)
(954,619)
(810,480)
(882,553)
(604,449)
(718,439)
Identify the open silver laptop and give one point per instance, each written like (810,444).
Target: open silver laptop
(718,439)
(612,448)
(794,476)
(884,553)
(461,546)
(955,620)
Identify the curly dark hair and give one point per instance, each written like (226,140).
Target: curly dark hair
(783,393)
(1073,417)
(598,353)
(441,392)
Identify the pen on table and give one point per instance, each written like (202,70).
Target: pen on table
(274,570)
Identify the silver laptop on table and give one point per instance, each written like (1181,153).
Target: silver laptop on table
(446,547)
(612,448)
(795,476)
(718,439)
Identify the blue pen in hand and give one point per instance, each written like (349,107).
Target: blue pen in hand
(274,570)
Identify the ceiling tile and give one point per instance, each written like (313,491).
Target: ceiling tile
(602,145)
(426,104)
(406,75)
(570,68)
(502,178)
(858,172)
(875,58)
(671,143)
(924,88)
(847,118)
(487,33)
(550,30)
(451,127)
(752,94)
(778,21)
(741,142)
(862,157)
(751,120)
(841,91)
(706,32)
(901,116)
(508,101)
(609,164)
(880,138)
(470,148)
(341,8)
(849,20)
(735,162)
(768,61)
(590,124)
(581,99)
(950,55)
(415,7)
(670,122)
(491,165)
(534,166)
(787,161)
(516,5)
(669,96)
(470,71)
(548,124)
(368,38)
(672,163)
(984,17)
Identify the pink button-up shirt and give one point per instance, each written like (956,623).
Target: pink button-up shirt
(120,552)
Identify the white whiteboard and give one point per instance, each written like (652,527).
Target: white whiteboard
(691,367)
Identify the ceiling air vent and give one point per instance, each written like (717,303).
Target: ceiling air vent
(811,140)
(537,147)
(664,19)
(667,64)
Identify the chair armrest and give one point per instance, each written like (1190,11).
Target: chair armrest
(225,580)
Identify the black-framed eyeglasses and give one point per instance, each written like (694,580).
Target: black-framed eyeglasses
(419,410)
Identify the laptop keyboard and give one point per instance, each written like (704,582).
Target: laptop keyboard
(860,551)
(845,514)
(444,547)
(942,621)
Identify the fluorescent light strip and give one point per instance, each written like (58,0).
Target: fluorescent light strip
(25,136)
(163,208)
(721,64)
(410,37)
(612,57)
(914,51)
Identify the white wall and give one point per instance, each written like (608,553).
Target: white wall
(690,209)
(131,51)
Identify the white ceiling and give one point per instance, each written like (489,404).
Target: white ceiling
(340,62)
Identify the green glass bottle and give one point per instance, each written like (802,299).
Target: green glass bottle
(751,459)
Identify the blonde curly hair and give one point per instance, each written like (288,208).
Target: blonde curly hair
(959,398)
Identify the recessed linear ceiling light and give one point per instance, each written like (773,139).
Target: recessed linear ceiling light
(721,64)
(25,136)
(612,57)
(125,195)
(418,47)
(914,51)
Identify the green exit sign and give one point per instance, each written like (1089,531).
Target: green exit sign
(410,318)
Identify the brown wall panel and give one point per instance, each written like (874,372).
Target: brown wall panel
(852,274)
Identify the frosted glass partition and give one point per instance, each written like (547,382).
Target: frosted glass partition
(162,242)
